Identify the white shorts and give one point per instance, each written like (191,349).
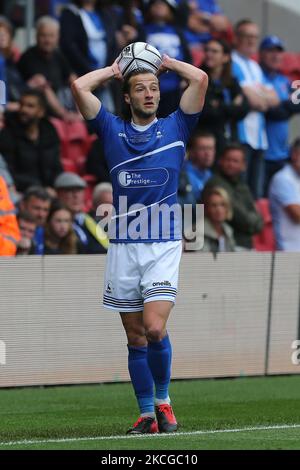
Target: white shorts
(141,272)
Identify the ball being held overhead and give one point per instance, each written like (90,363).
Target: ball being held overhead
(139,55)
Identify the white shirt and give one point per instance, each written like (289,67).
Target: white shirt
(285,190)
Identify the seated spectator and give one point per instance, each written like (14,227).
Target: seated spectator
(218,235)
(246,221)
(70,190)
(36,202)
(27,226)
(97,236)
(205,19)
(88,39)
(225,102)
(48,70)
(277,119)
(162,32)
(201,157)
(30,145)
(15,84)
(9,230)
(261,96)
(284,195)
(60,238)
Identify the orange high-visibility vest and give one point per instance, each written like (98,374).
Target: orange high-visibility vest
(9,230)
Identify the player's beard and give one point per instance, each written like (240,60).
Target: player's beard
(144,113)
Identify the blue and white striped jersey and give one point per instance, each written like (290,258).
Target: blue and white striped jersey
(252,129)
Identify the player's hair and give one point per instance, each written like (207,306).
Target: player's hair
(36,191)
(37,94)
(219,191)
(241,23)
(233,146)
(126,111)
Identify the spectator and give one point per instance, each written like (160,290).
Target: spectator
(284,198)
(97,237)
(27,226)
(47,69)
(96,164)
(4,171)
(70,190)
(277,154)
(201,157)
(162,32)
(261,97)
(15,85)
(218,235)
(36,202)
(9,230)
(246,221)
(88,39)
(30,145)
(225,102)
(205,19)
(60,238)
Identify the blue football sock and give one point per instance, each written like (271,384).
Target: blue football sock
(141,378)
(159,360)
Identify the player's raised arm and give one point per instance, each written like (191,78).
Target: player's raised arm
(82,88)
(192,100)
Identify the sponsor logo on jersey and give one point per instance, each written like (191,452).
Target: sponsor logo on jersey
(149,177)
(163,283)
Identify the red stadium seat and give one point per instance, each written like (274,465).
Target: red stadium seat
(291,65)
(75,144)
(265,240)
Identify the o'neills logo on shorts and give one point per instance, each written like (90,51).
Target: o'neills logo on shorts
(163,283)
(143,178)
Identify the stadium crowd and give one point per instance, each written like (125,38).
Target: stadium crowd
(239,162)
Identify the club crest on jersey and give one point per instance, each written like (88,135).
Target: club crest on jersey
(149,177)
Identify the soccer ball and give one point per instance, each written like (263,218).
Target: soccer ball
(139,55)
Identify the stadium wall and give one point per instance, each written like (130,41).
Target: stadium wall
(236,315)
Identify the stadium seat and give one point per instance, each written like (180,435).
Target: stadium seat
(291,65)
(75,144)
(265,240)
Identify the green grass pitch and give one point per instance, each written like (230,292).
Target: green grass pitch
(247,413)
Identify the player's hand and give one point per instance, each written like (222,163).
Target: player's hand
(165,65)
(117,72)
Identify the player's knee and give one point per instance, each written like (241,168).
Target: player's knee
(155,333)
(137,340)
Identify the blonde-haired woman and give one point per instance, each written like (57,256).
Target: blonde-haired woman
(218,235)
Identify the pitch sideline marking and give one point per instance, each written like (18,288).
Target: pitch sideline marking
(140,436)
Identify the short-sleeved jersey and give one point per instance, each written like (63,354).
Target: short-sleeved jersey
(144,168)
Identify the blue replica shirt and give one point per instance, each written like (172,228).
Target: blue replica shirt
(204,6)
(167,41)
(278,131)
(144,168)
(197,178)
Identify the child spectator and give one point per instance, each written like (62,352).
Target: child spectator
(27,226)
